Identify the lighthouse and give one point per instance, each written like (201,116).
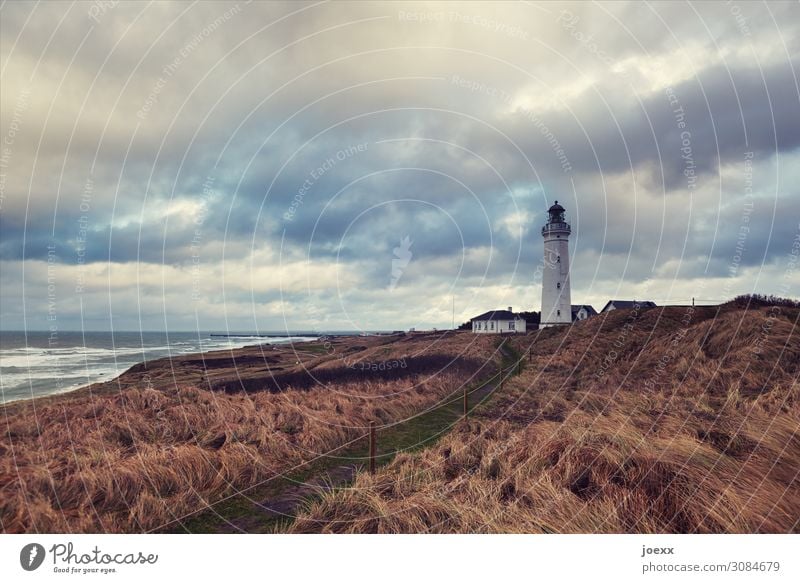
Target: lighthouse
(556,306)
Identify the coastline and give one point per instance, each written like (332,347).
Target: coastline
(182,368)
(176,355)
(169,437)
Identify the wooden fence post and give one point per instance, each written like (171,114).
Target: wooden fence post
(372,447)
(529,353)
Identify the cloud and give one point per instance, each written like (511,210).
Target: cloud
(288,147)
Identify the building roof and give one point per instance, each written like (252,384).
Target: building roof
(589,309)
(626,304)
(497,315)
(555,208)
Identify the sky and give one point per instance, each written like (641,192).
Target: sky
(380,166)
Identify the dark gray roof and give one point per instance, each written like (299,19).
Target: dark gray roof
(627,304)
(497,315)
(589,309)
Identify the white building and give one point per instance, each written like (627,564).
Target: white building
(499,322)
(582,311)
(556,306)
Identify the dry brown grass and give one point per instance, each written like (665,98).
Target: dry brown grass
(135,459)
(691,427)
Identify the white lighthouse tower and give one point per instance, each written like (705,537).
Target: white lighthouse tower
(556,306)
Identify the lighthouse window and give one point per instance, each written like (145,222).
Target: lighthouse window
(558,312)
(558,285)
(558,259)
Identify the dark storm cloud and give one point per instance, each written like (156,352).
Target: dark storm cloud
(719,115)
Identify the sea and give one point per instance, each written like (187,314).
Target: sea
(36,364)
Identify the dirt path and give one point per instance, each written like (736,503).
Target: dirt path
(284,506)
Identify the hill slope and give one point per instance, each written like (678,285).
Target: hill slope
(166,439)
(660,420)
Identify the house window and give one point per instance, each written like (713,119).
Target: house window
(492,324)
(511,325)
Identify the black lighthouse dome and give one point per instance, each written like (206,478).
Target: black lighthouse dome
(556,213)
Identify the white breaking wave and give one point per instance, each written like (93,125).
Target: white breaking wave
(31,371)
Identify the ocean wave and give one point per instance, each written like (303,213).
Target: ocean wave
(51,370)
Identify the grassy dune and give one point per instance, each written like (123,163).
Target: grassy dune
(667,420)
(167,438)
